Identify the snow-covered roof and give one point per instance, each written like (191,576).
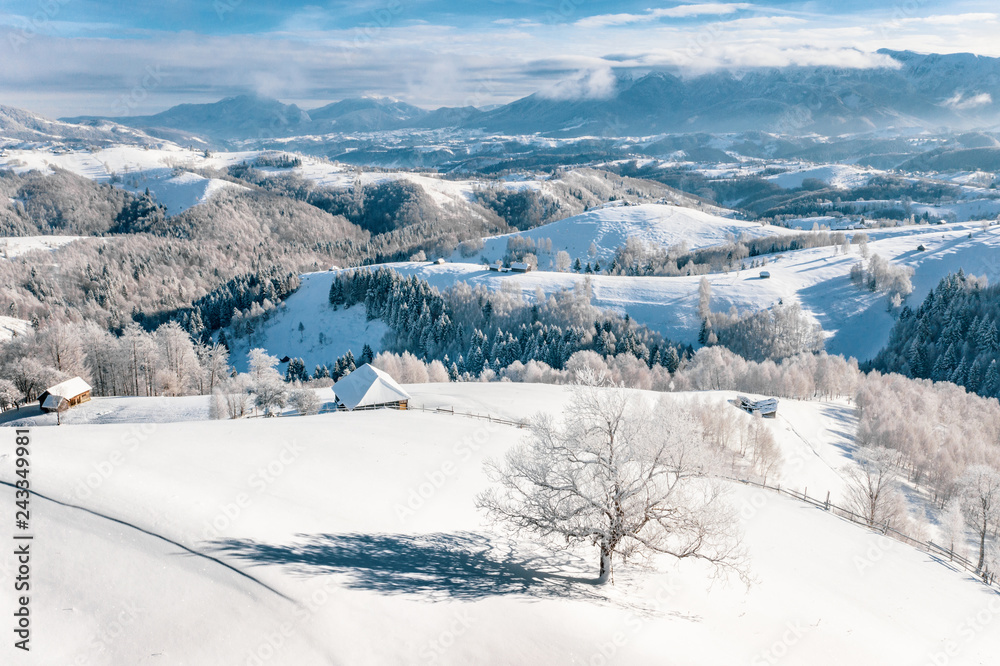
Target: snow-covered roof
(368,386)
(52,402)
(69,388)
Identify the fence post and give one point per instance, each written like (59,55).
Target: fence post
(827,507)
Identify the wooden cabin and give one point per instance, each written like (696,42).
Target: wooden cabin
(71,392)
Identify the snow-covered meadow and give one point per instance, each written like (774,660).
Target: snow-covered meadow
(354,538)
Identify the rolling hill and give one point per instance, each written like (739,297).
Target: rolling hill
(294,551)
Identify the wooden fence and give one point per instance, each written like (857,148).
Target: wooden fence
(330,408)
(938,553)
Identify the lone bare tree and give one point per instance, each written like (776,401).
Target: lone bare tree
(620,476)
(979,495)
(872,485)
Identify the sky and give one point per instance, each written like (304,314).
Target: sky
(74,57)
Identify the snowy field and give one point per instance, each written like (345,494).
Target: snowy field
(11,326)
(354,539)
(15,246)
(608,228)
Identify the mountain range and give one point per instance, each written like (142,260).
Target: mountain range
(921,92)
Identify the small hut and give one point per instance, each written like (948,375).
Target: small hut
(72,392)
(765,275)
(370,388)
(768,407)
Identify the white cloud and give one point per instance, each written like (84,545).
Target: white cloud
(961,103)
(681,11)
(948,19)
(590,84)
(439,65)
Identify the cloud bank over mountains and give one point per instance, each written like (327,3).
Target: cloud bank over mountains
(65,58)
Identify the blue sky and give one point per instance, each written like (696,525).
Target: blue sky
(67,57)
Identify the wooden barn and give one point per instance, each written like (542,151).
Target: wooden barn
(768,407)
(370,388)
(72,392)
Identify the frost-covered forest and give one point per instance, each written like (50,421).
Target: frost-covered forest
(951,337)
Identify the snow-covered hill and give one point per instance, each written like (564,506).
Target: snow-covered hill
(354,538)
(835,175)
(856,320)
(18,127)
(164,171)
(609,226)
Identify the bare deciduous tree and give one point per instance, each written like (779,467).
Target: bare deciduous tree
(979,494)
(872,486)
(613,475)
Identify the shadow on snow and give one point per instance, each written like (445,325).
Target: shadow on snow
(463,565)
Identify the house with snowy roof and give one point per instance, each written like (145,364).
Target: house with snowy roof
(71,392)
(370,388)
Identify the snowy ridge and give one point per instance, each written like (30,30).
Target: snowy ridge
(608,228)
(164,170)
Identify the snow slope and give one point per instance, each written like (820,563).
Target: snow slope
(856,320)
(341,330)
(608,228)
(162,170)
(835,175)
(354,539)
(11,326)
(15,246)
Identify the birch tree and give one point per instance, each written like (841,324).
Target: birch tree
(611,475)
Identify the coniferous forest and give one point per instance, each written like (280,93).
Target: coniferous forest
(951,337)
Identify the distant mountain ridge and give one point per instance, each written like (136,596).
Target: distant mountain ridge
(958,91)
(24,126)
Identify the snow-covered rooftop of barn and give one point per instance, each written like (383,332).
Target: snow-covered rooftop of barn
(368,386)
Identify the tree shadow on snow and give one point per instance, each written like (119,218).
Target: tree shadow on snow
(464,566)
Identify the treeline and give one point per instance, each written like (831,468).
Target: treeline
(244,296)
(951,337)
(166,361)
(636,257)
(476,330)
